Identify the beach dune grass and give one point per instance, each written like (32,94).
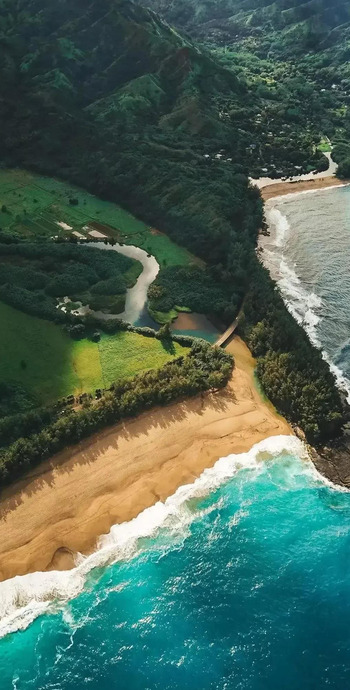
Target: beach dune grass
(50,365)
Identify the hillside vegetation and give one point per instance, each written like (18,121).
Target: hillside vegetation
(294,56)
(291,26)
(106,95)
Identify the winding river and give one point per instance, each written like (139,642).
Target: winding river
(136,311)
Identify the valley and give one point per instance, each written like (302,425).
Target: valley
(174,344)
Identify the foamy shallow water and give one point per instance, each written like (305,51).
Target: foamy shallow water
(308,254)
(240,580)
(23,598)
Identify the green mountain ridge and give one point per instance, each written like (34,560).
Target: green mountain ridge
(294,56)
(86,53)
(296,25)
(108,96)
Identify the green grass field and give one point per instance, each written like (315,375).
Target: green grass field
(127,354)
(32,206)
(50,365)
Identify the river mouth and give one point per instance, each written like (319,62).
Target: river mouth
(197,325)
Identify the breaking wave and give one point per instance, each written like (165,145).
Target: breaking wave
(305,305)
(24,598)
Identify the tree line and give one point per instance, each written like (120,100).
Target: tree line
(291,370)
(203,369)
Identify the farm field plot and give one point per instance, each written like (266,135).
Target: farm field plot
(36,206)
(50,365)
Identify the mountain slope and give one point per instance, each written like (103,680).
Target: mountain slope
(64,58)
(106,95)
(293,25)
(294,56)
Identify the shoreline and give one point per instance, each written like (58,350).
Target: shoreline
(331,461)
(72,500)
(69,502)
(313,185)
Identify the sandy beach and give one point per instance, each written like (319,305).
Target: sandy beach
(67,503)
(308,182)
(282,188)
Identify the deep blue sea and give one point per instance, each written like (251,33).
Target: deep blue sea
(239,582)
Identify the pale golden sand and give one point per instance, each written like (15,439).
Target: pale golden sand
(282,188)
(64,505)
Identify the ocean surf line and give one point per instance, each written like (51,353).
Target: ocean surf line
(308,254)
(239,580)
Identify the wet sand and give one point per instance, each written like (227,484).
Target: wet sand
(67,503)
(190,321)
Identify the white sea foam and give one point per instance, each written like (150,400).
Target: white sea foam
(23,598)
(301,303)
(280,223)
(304,305)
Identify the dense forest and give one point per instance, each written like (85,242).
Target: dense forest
(35,277)
(110,97)
(196,289)
(294,57)
(288,26)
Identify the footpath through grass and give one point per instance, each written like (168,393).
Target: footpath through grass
(35,206)
(50,365)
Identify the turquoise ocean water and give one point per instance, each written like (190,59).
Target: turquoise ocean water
(240,581)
